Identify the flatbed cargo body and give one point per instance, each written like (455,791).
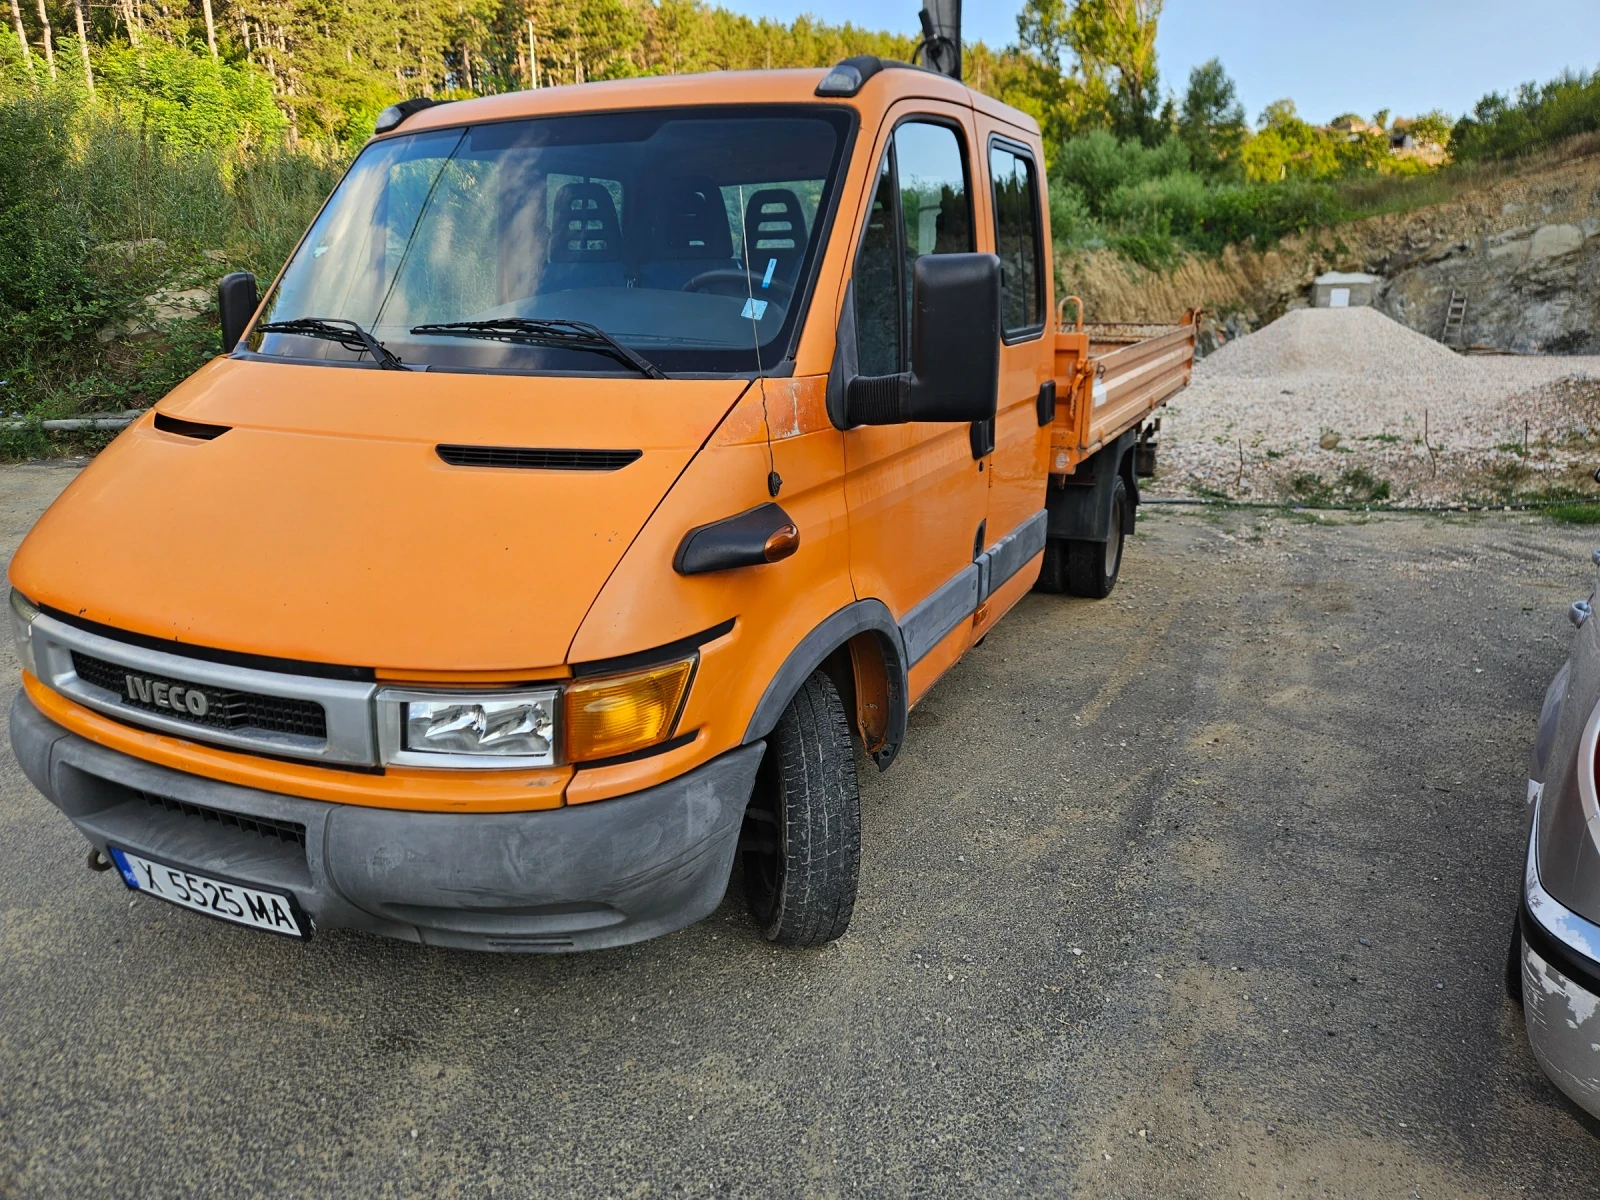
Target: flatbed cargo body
(1115,377)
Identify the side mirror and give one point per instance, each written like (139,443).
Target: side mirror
(237,299)
(955,348)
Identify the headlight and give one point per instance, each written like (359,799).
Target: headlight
(22,614)
(513,727)
(444,729)
(581,721)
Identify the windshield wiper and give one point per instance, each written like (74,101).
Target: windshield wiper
(540,331)
(335,329)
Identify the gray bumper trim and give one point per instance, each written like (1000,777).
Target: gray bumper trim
(1561,1013)
(576,878)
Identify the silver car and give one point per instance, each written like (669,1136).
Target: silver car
(1554,964)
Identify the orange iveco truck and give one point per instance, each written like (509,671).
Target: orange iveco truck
(603,465)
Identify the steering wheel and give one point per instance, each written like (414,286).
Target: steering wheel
(734,282)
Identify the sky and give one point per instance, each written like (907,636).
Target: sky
(1359,56)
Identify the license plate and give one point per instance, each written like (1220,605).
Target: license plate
(275,912)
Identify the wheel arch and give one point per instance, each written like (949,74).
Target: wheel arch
(861,649)
(1081,511)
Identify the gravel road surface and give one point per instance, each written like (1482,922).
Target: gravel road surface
(1199,891)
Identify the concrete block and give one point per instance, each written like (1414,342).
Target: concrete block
(1552,241)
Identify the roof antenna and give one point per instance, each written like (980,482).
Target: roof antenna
(940,47)
(754,309)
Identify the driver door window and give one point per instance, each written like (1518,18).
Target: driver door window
(921,205)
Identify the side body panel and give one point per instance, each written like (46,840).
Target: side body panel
(645,603)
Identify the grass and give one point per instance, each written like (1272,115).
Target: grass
(1574,513)
(1355,487)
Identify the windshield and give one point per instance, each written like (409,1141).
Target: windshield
(688,235)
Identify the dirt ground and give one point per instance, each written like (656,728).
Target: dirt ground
(1200,891)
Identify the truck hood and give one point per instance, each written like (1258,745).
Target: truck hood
(324,525)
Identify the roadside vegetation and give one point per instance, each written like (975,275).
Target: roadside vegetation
(166,144)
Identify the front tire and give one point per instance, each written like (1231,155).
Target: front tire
(801,841)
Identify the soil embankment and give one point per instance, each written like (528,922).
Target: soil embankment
(1523,249)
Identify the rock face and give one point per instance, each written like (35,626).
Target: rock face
(1531,289)
(160,309)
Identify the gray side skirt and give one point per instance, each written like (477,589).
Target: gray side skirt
(931,621)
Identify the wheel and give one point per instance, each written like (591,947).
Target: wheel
(1514,964)
(1091,567)
(1053,573)
(801,841)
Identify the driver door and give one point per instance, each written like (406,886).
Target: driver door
(916,497)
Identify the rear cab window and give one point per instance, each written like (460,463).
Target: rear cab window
(1018,239)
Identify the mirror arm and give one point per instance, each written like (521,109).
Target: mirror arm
(880,399)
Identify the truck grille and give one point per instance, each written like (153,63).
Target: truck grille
(224,708)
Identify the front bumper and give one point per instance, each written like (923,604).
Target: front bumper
(1560,987)
(576,878)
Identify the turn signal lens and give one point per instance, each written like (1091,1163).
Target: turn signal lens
(624,713)
(785,540)
(22,614)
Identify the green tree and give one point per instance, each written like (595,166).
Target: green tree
(1286,147)
(1538,116)
(1211,121)
(1116,40)
(1431,127)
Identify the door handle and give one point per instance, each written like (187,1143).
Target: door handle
(982,436)
(1047,402)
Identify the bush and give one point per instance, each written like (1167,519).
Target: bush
(101,206)
(51,300)
(1097,164)
(1072,225)
(1184,208)
(1539,117)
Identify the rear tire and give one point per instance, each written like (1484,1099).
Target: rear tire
(801,841)
(1053,573)
(1092,567)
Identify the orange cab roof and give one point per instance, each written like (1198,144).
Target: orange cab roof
(796,86)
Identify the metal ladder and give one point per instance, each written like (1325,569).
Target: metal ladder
(1455,317)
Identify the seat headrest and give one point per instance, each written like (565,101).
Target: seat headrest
(775,225)
(692,222)
(584,227)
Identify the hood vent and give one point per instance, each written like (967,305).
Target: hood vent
(523,458)
(192,429)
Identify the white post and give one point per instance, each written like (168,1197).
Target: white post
(22,35)
(49,42)
(83,45)
(211,30)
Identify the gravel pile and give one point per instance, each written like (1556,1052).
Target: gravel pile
(1347,405)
